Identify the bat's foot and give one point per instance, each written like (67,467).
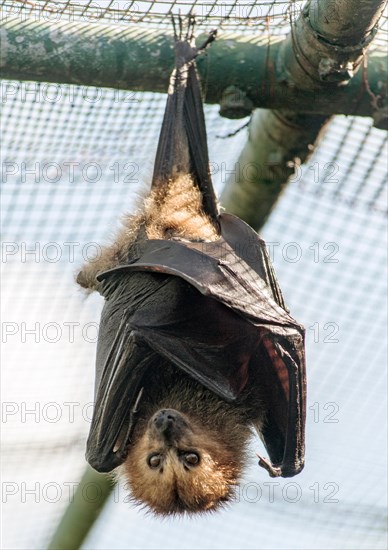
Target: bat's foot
(266,464)
(180,24)
(209,40)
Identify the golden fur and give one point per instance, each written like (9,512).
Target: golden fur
(171,211)
(176,489)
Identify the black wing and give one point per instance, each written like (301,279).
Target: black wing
(115,400)
(148,316)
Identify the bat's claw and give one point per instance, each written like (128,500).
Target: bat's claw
(266,464)
(189,23)
(210,38)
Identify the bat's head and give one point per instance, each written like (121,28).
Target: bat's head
(187,458)
(177,466)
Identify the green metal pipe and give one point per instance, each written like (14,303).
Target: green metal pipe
(139,59)
(307,62)
(89,499)
(277,142)
(345,22)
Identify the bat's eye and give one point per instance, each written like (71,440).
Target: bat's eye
(191,459)
(154,461)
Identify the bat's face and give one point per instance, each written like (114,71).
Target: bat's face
(176,466)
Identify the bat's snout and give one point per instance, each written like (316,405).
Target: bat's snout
(169,425)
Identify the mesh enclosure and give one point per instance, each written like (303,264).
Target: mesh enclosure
(70,167)
(264,14)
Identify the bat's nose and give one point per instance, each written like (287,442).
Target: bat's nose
(165,418)
(168,423)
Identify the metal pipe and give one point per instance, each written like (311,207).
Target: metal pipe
(139,59)
(307,62)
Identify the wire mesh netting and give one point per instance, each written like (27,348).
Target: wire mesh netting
(228,14)
(70,167)
(243,15)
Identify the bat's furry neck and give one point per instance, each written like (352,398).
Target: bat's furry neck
(173,388)
(173,210)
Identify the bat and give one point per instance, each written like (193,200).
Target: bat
(196,348)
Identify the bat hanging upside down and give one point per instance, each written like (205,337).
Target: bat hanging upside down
(196,348)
